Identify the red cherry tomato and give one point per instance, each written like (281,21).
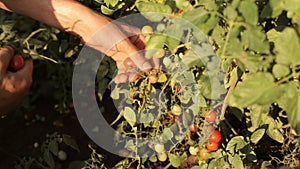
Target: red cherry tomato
(17,63)
(215,136)
(204,154)
(129,63)
(211,116)
(193,128)
(212,146)
(131,167)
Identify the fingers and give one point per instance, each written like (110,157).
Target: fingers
(26,72)
(6,53)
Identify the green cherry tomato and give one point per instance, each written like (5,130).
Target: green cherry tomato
(160,148)
(176,110)
(162,157)
(146,30)
(194,150)
(62,155)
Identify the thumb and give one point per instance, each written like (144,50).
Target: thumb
(26,72)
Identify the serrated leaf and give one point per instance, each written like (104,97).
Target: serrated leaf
(129,115)
(287,47)
(249,11)
(49,159)
(266,91)
(70,142)
(53,147)
(257,135)
(254,39)
(235,144)
(272,9)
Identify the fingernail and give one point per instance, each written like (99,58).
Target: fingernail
(147,66)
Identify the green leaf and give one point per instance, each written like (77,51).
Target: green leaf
(235,144)
(115,94)
(162,78)
(70,142)
(106,10)
(167,134)
(53,147)
(183,4)
(257,114)
(230,12)
(191,59)
(257,135)
(175,160)
(290,102)
(254,39)
(49,159)
(196,16)
(280,70)
(111,2)
(153,11)
(249,11)
(273,131)
(266,91)
(236,161)
(129,115)
(287,47)
(155,43)
(273,8)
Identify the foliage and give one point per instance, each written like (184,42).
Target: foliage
(257,42)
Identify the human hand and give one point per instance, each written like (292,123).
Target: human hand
(13,85)
(125,44)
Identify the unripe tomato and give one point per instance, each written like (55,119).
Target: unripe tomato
(194,150)
(193,128)
(146,30)
(62,155)
(162,157)
(211,116)
(159,54)
(212,146)
(215,136)
(176,110)
(17,63)
(160,148)
(204,154)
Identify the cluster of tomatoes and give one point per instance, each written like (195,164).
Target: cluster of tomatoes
(215,137)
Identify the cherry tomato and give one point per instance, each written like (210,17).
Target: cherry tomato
(62,155)
(212,146)
(204,154)
(209,128)
(129,63)
(17,63)
(153,79)
(178,88)
(146,30)
(211,116)
(162,157)
(176,109)
(174,118)
(215,136)
(194,150)
(131,167)
(193,128)
(121,78)
(160,148)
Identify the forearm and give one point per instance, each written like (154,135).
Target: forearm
(68,15)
